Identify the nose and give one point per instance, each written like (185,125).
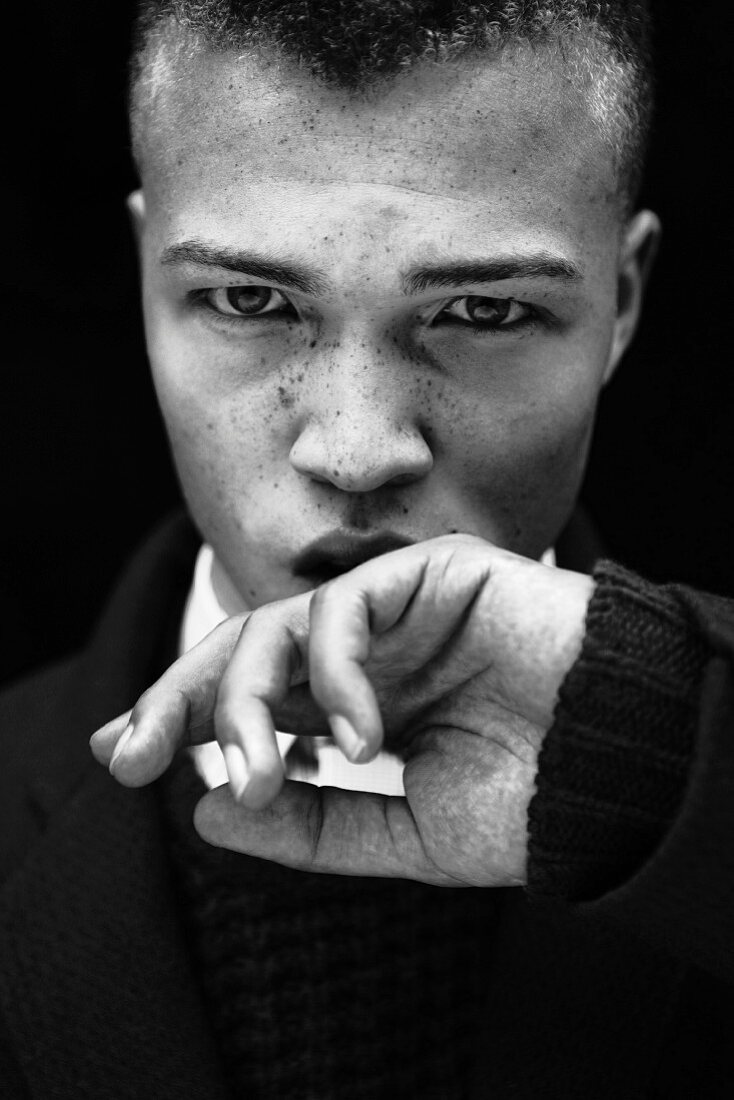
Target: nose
(359,428)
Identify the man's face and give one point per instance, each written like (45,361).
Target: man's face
(384,318)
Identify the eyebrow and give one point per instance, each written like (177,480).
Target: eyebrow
(415,280)
(538,265)
(260,265)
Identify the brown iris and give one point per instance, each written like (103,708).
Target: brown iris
(248,299)
(487,311)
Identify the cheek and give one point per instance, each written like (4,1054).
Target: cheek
(545,460)
(523,470)
(225,449)
(222,404)
(223,438)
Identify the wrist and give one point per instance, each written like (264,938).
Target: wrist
(539,616)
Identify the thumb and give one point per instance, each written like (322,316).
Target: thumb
(324,830)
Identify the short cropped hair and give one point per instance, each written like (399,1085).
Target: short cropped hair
(356,45)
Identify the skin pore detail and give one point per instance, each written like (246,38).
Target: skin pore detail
(387,314)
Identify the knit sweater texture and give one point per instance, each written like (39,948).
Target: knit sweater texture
(613,767)
(319,986)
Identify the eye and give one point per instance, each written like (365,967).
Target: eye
(245,301)
(486,313)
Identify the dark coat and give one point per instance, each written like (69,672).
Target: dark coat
(626,998)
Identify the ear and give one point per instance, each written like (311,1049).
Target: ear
(136,211)
(636,256)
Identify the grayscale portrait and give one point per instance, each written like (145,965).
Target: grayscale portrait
(368,703)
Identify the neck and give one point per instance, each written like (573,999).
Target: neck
(227,595)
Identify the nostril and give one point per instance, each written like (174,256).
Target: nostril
(365,459)
(404,479)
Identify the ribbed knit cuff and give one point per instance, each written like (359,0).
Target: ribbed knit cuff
(614,765)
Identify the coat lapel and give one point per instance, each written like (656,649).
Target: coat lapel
(96,984)
(95,981)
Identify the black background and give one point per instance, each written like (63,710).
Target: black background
(85,467)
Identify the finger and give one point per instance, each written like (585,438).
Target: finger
(105,740)
(177,709)
(324,830)
(343,616)
(402,607)
(270,654)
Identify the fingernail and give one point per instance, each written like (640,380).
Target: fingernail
(237,771)
(120,746)
(347,737)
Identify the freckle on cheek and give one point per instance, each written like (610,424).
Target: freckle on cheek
(287,400)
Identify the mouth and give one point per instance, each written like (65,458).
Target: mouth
(337,553)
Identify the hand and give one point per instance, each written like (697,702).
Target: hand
(449,652)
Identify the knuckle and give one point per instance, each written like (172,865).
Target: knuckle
(266,625)
(224,636)
(253,621)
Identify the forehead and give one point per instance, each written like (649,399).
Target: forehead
(508,135)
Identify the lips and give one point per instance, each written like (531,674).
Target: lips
(339,552)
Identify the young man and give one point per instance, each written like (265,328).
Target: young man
(390,256)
